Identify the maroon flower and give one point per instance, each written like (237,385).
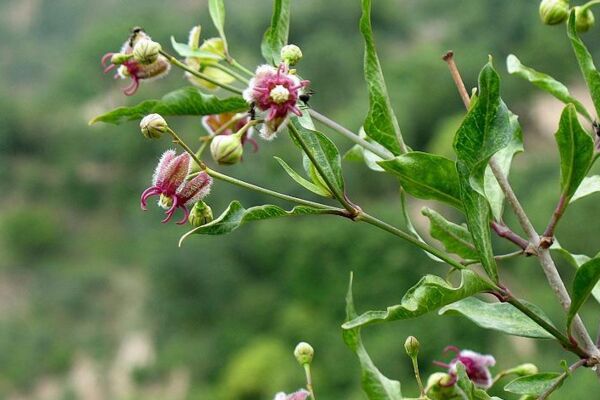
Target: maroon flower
(476,365)
(299,395)
(169,182)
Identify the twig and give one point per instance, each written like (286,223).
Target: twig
(561,379)
(507,233)
(462,90)
(497,258)
(548,236)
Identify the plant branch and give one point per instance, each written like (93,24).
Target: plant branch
(507,233)
(460,85)
(561,379)
(497,258)
(548,236)
(226,70)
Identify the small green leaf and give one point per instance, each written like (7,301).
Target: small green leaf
(429,294)
(359,153)
(186,101)
(586,62)
(455,238)
(501,317)
(381,124)
(375,385)
(589,185)
(277,34)
(576,261)
(585,280)
(186,51)
(302,181)
(411,227)
(533,385)
(467,386)
(236,215)
(426,176)
(216,8)
(545,82)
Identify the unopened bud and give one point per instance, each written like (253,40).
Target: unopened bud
(146,51)
(194,38)
(201,214)
(226,149)
(153,126)
(584,19)
(304,353)
(412,346)
(525,369)
(553,12)
(120,58)
(440,387)
(291,54)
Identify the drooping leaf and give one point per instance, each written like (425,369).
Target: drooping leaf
(589,185)
(236,215)
(429,294)
(277,34)
(545,82)
(468,388)
(375,385)
(586,62)
(302,181)
(185,50)
(426,176)
(585,280)
(216,9)
(455,238)
(501,317)
(576,149)
(381,124)
(186,101)
(533,385)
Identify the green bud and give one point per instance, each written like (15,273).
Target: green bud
(146,51)
(524,369)
(553,12)
(291,54)
(226,149)
(584,19)
(201,214)
(194,38)
(304,353)
(153,126)
(412,346)
(438,389)
(120,58)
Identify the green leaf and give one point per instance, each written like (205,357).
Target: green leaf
(375,385)
(185,50)
(216,9)
(359,153)
(586,63)
(236,215)
(381,124)
(411,227)
(545,82)
(533,385)
(277,34)
(426,176)
(501,317)
(429,294)
(576,260)
(585,280)
(302,181)
(186,101)
(576,149)
(589,185)
(467,386)
(455,238)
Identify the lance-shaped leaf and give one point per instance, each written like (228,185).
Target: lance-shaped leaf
(277,34)
(455,238)
(546,83)
(411,227)
(429,294)
(216,9)
(586,278)
(468,388)
(184,50)
(186,101)
(426,176)
(317,189)
(586,62)
(589,185)
(375,385)
(576,149)
(236,215)
(576,261)
(381,124)
(534,385)
(502,317)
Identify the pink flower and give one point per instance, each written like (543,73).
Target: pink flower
(275,92)
(214,122)
(299,395)
(128,67)
(476,365)
(169,181)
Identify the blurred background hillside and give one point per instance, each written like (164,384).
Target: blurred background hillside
(98,302)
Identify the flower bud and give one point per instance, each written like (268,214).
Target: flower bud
(440,387)
(153,126)
(304,353)
(584,19)
(201,214)
(553,12)
(194,38)
(412,346)
(227,149)
(120,58)
(146,51)
(525,369)
(291,54)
